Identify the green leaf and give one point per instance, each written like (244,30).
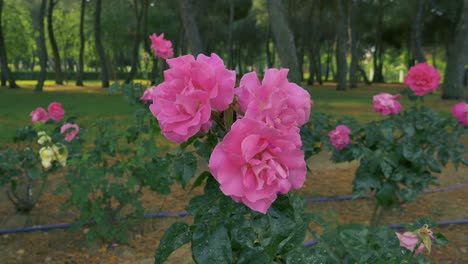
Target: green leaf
(354,239)
(34,173)
(176,236)
(386,169)
(408,128)
(385,196)
(200,179)
(211,244)
(185,167)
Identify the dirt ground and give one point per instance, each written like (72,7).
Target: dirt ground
(325,180)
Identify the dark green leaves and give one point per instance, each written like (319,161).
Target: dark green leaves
(176,236)
(184,167)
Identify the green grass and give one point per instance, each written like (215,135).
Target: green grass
(92,102)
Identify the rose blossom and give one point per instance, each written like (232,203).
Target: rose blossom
(162,47)
(339,137)
(276,101)
(56,111)
(71,134)
(147,96)
(205,74)
(386,104)
(254,163)
(39,114)
(422,79)
(409,240)
(460,112)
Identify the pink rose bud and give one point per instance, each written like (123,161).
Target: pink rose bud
(339,137)
(147,96)
(254,163)
(56,111)
(386,104)
(408,240)
(422,79)
(162,47)
(71,131)
(460,112)
(39,114)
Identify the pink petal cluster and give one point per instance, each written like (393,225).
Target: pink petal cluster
(162,48)
(191,89)
(254,163)
(386,104)
(71,131)
(422,79)
(39,115)
(56,111)
(339,137)
(147,96)
(410,240)
(275,101)
(460,112)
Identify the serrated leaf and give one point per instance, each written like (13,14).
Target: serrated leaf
(211,245)
(176,236)
(200,179)
(185,167)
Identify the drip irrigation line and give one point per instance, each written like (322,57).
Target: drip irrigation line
(367,196)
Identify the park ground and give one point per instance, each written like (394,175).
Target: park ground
(325,180)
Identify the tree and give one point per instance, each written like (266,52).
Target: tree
(53,43)
(190,26)
(79,72)
(284,39)
(379,46)
(453,87)
(99,47)
(417,32)
(139,7)
(342,38)
(41,44)
(6,73)
(355,43)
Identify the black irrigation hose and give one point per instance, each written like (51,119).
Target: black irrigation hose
(183,214)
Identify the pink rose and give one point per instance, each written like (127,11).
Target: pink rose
(460,112)
(181,112)
(56,111)
(276,101)
(147,96)
(386,104)
(206,74)
(409,241)
(422,79)
(254,163)
(71,131)
(339,137)
(39,114)
(162,47)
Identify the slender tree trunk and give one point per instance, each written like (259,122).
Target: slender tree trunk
(42,49)
(329,62)
(417,32)
(342,39)
(284,39)
(230,35)
(80,70)
(99,47)
(378,62)
(190,26)
(269,54)
(6,73)
(453,87)
(53,43)
(139,8)
(355,54)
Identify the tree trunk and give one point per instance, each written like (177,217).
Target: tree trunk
(6,73)
(342,39)
(315,68)
(417,32)
(355,54)
(139,8)
(230,35)
(53,43)
(453,87)
(42,49)
(329,62)
(378,62)
(190,26)
(269,54)
(80,70)
(99,47)
(284,40)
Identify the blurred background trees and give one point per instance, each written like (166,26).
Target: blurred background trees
(347,42)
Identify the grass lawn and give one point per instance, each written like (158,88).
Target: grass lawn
(92,102)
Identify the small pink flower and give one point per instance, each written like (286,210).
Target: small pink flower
(162,47)
(147,96)
(39,114)
(56,111)
(276,101)
(410,240)
(254,163)
(71,131)
(339,137)
(386,104)
(460,112)
(422,79)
